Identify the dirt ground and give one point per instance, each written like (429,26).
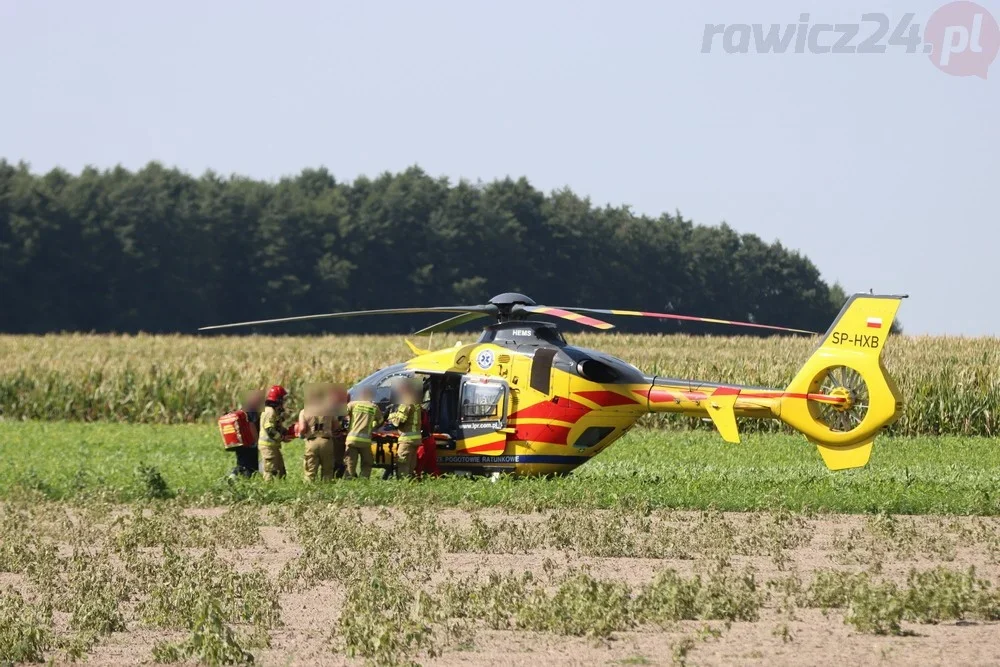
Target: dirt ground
(779,637)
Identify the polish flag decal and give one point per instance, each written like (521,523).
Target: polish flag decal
(874,322)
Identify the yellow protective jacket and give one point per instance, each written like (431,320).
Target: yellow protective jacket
(272,427)
(407,419)
(364,417)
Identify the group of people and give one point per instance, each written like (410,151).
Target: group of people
(338,431)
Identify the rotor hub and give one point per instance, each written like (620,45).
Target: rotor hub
(845,398)
(506,305)
(512,299)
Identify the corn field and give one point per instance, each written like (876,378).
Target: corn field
(951,385)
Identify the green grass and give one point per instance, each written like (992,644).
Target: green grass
(694,470)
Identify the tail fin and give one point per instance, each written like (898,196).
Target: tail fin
(843,396)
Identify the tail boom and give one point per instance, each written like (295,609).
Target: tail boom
(840,399)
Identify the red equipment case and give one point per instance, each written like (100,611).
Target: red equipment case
(236,431)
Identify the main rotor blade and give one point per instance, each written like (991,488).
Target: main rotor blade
(686,318)
(566,314)
(484,310)
(451,323)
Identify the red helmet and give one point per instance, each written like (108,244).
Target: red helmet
(276,393)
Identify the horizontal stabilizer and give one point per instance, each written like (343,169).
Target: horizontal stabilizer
(721,408)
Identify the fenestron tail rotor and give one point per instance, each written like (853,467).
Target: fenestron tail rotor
(846,384)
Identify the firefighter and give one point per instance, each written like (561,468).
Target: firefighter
(407,419)
(247,459)
(316,426)
(363,417)
(339,398)
(272,433)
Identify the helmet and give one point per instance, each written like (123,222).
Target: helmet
(276,393)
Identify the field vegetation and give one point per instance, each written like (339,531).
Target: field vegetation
(123,540)
(951,385)
(318,583)
(654,469)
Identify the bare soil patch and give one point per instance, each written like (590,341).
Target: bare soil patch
(311,567)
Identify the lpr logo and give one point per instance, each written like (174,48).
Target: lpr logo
(964,39)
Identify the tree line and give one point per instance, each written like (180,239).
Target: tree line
(159,250)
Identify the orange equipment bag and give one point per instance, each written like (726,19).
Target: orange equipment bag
(236,432)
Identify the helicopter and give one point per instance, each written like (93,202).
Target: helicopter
(521,400)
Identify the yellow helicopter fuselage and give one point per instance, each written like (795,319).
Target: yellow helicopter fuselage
(521,400)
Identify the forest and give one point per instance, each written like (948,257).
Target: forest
(159,250)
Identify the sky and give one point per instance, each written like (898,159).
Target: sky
(880,167)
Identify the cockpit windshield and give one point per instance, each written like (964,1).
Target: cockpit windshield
(383,381)
(551,335)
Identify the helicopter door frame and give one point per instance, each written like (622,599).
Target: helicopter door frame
(482,410)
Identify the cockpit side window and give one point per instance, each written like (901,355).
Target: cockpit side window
(482,401)
(599,367)
(385,392)
(598,371)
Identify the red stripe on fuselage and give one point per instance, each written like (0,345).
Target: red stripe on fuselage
(606,399)
(564,410)
(825,398)
(557,435)
(658,395)
(487,447)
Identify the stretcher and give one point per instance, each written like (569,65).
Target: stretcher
(385,442)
